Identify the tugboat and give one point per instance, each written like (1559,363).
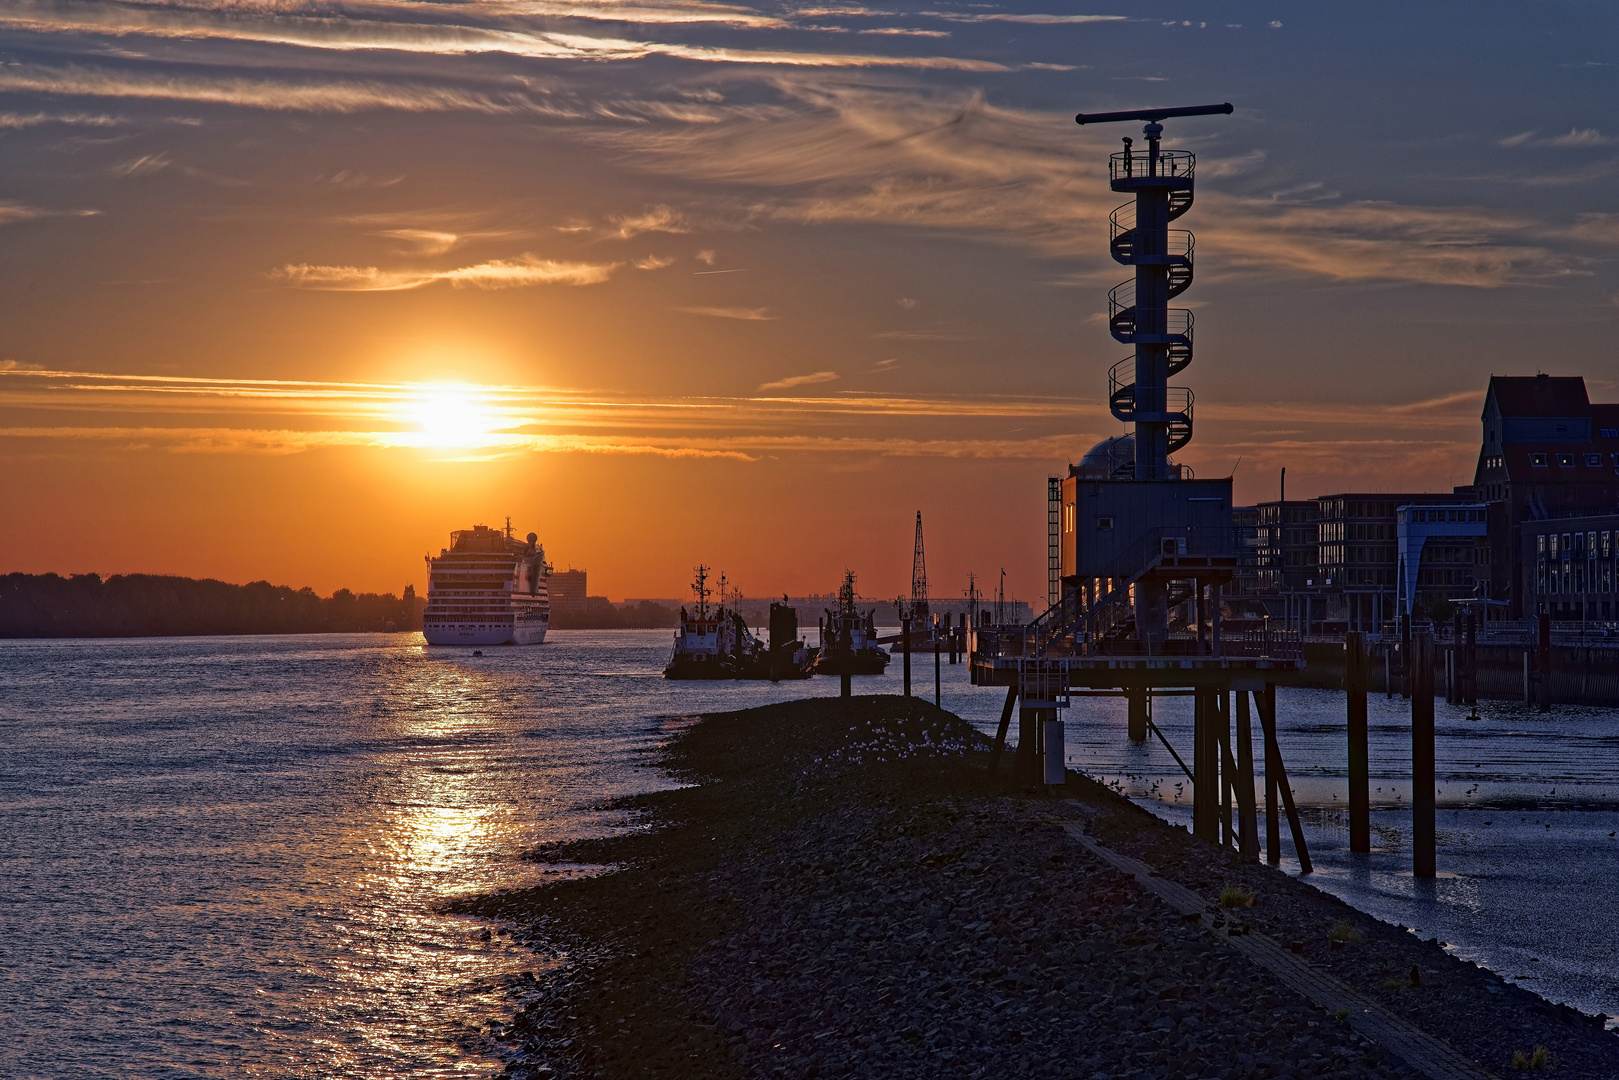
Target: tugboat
(706,645)
(849,637)
(714,642)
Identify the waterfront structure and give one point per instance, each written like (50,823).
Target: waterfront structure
(487,588)
(1134,535)
(1547,453)
(1437,550)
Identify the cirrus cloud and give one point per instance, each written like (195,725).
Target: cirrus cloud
(520,272)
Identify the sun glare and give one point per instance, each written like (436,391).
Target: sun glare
(455,416)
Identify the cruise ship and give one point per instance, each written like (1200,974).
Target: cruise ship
(487,588)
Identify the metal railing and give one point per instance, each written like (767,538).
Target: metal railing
(1131,164)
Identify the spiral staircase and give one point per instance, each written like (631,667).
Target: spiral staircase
(1173,170)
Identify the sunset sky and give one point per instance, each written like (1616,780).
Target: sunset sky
(289,289)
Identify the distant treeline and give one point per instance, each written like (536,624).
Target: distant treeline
(147,605)
(644,615)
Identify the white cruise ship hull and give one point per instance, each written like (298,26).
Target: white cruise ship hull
(482,634)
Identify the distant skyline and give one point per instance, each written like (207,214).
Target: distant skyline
(290,290)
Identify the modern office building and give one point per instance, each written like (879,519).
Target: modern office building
(567,592)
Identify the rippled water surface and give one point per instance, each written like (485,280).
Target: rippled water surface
(222,856)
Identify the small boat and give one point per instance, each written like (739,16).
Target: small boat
(849,637)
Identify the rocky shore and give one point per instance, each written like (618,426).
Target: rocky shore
(843,892)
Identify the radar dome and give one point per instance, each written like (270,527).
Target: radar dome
(1108,458)
(533,537)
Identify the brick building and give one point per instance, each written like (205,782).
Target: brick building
(1547,453)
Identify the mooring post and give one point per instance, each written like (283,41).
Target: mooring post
(1405,655)
(905,645)
(1472,664)
(1247,812)
(1228,765)
(1459,659)
(1273,820)
(938,698)
(1422,757)
(1360,778)
(1544,674)
(1274,766)
(1000,733)
(845,645)
(1136,705)
(1205,768)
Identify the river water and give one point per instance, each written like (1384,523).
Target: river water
(225,856)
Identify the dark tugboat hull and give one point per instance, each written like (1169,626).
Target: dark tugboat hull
(695,670)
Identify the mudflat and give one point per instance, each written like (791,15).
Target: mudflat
(843,891)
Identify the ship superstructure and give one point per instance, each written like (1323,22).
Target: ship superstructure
(849,636)
(487,588)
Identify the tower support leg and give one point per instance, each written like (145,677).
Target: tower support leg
(1000,733)
(1360,798)
(1136,699)
(1247,812)
(1205,768)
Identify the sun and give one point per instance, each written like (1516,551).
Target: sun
(454,416)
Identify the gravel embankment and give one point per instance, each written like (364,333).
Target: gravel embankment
(845,894)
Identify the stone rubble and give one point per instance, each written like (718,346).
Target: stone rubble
(845,893)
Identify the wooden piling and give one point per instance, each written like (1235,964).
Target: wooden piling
(1470,663)
(905,644)
(1360,779)
(1405,656)
(1228,765)
(938,697)
(1543,688)
(1422,757)
(1247,812)
(1205,768)
(1273,821)
(1275,768)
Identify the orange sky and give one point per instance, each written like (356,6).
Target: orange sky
(291,297)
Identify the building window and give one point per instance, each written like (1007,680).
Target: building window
(1539,460)
(1593,461)
(1565,461)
